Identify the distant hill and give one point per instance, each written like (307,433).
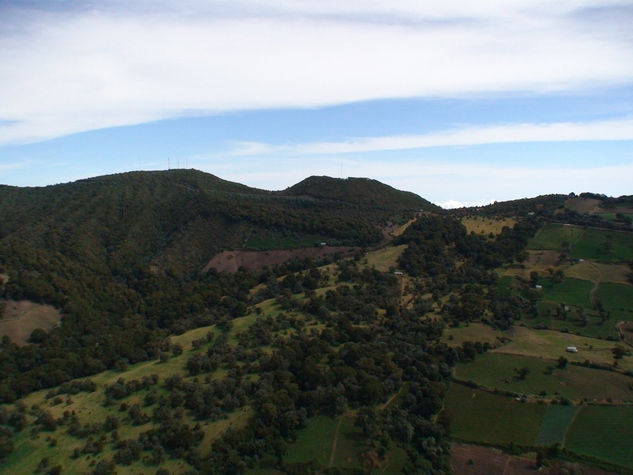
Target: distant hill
(358,191)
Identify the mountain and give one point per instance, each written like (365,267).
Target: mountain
(178,219)
(358,191)
(360,362)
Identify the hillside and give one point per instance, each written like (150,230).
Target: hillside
(122,257)
(369,358)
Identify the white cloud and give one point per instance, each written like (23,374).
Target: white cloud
(64,72)
(619,129)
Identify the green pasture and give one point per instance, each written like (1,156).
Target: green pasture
(552,236)
(603,432)
(570,291)
(616,296)
(496,370)
(555,423)
(350,444)
(598,244)
(479,416)
(595,327)
(384,259)
(314,442)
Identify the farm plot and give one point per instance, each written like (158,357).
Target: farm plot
(479,416)
(496,370)
(603,432)
(551,344)
(456,336)
(552,236)
(617,299)
(555,424)
(570,291)
(598,244)
(599,272)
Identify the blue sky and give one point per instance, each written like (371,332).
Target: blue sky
(463,103)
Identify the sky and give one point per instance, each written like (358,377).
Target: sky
(461,102)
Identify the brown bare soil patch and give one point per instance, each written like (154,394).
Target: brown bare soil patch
(231,261)
(20,318)
(484,225)
(476,460)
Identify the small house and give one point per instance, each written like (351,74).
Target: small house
(571,349)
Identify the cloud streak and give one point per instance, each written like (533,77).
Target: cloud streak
(63,72)
(620,129)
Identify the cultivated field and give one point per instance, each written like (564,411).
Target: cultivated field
(496,370)
(600,272)
(603,432)
(584,243)
(479,416)
(551,344)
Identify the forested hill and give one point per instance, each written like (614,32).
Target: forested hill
(179,219)
(360,191)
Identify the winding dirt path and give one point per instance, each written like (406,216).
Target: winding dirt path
(335,441)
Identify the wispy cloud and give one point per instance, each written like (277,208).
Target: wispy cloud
(65,71)
(620,129)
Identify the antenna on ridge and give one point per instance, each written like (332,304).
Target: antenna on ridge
(168,163)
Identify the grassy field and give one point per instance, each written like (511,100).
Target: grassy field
(595,327)
(496,370)
(349,444)
(455,336)
(386,258)
(599,272)
(552,236)
(598,244)
(479,416)
(604,432)
(555,424)
(551,344)
(485,225)
(616,296)
(314,442)
(570,291)
(20,318)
